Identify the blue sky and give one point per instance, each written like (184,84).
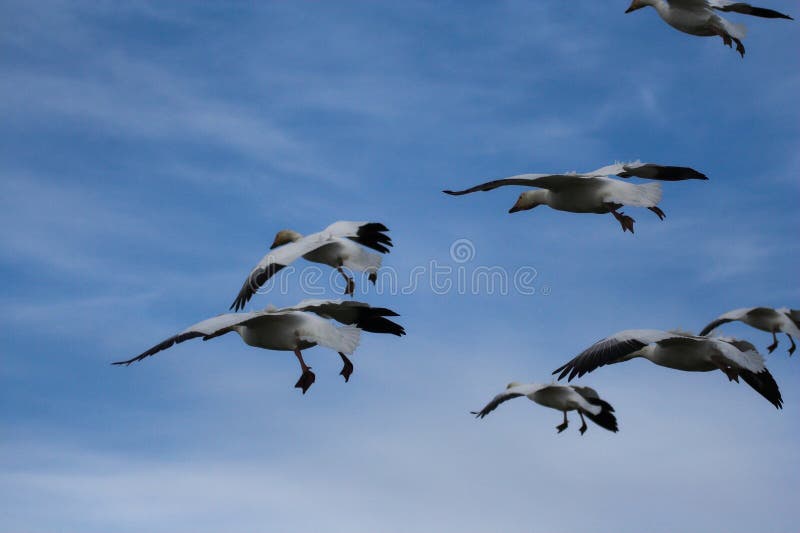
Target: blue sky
(151,150)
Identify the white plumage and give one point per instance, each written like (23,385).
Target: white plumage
(680,351)
(782,320)
(336,246)
(564,398)
(293,329)
(593,192)
(702,18)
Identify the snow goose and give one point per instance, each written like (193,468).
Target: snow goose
(767,319)
(680,351)
(294,329)
(563,398)
(700,17)
(334,246)
(593,192)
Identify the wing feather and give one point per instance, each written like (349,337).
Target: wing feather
(610,350)
(545,181)
(747,9)
(207,329)
(359,314)
(652,171)
(369,234)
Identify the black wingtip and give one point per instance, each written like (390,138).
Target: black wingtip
(605,419)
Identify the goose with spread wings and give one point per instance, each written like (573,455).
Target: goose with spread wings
(336,246)
(293,329)
(702,18)
(782,320)
(680,351)
(593,192)
(562,398)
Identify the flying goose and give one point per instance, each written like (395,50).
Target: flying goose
(563,398)
(334,246)
(593,192)
(767,319)
(681,351)
(294,329)
(700,17)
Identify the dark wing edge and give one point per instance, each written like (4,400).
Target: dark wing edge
(491,185)
(362,316)
(605,419)
(604,352)
(747,9)
(176,339)
(372,235)
(714,325)
(497,400)
(662,173)
(254,281)
(373,320)
(764,384)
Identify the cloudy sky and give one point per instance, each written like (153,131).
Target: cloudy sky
(151,150)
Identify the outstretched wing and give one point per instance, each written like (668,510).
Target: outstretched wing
(764,384)
(588,393)
(526,180)
(508,394)
(370,234)
(714,325)
(617,348)
(207,329)
(747,9)
(359,314)
(738,353)
(652,171)
(731,316)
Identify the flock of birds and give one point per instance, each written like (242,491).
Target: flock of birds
(343,246)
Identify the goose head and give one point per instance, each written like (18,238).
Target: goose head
(529,200)
(638,4)
(285,236)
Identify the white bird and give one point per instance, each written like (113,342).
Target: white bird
(563,398)
(593,192)
(700,17)
(680,351)
(767,319)
(334,246)
(294,329)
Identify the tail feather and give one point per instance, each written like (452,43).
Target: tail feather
(633,194)
(349,337)
(606,418)
(649,194)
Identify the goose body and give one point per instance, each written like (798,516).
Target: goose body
(340,246)
(782,320)
(702,17)
(593,192)
(562,398)
(296,328)
(679,351)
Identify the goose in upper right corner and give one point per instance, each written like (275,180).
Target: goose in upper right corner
(700,17)
(783,320)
